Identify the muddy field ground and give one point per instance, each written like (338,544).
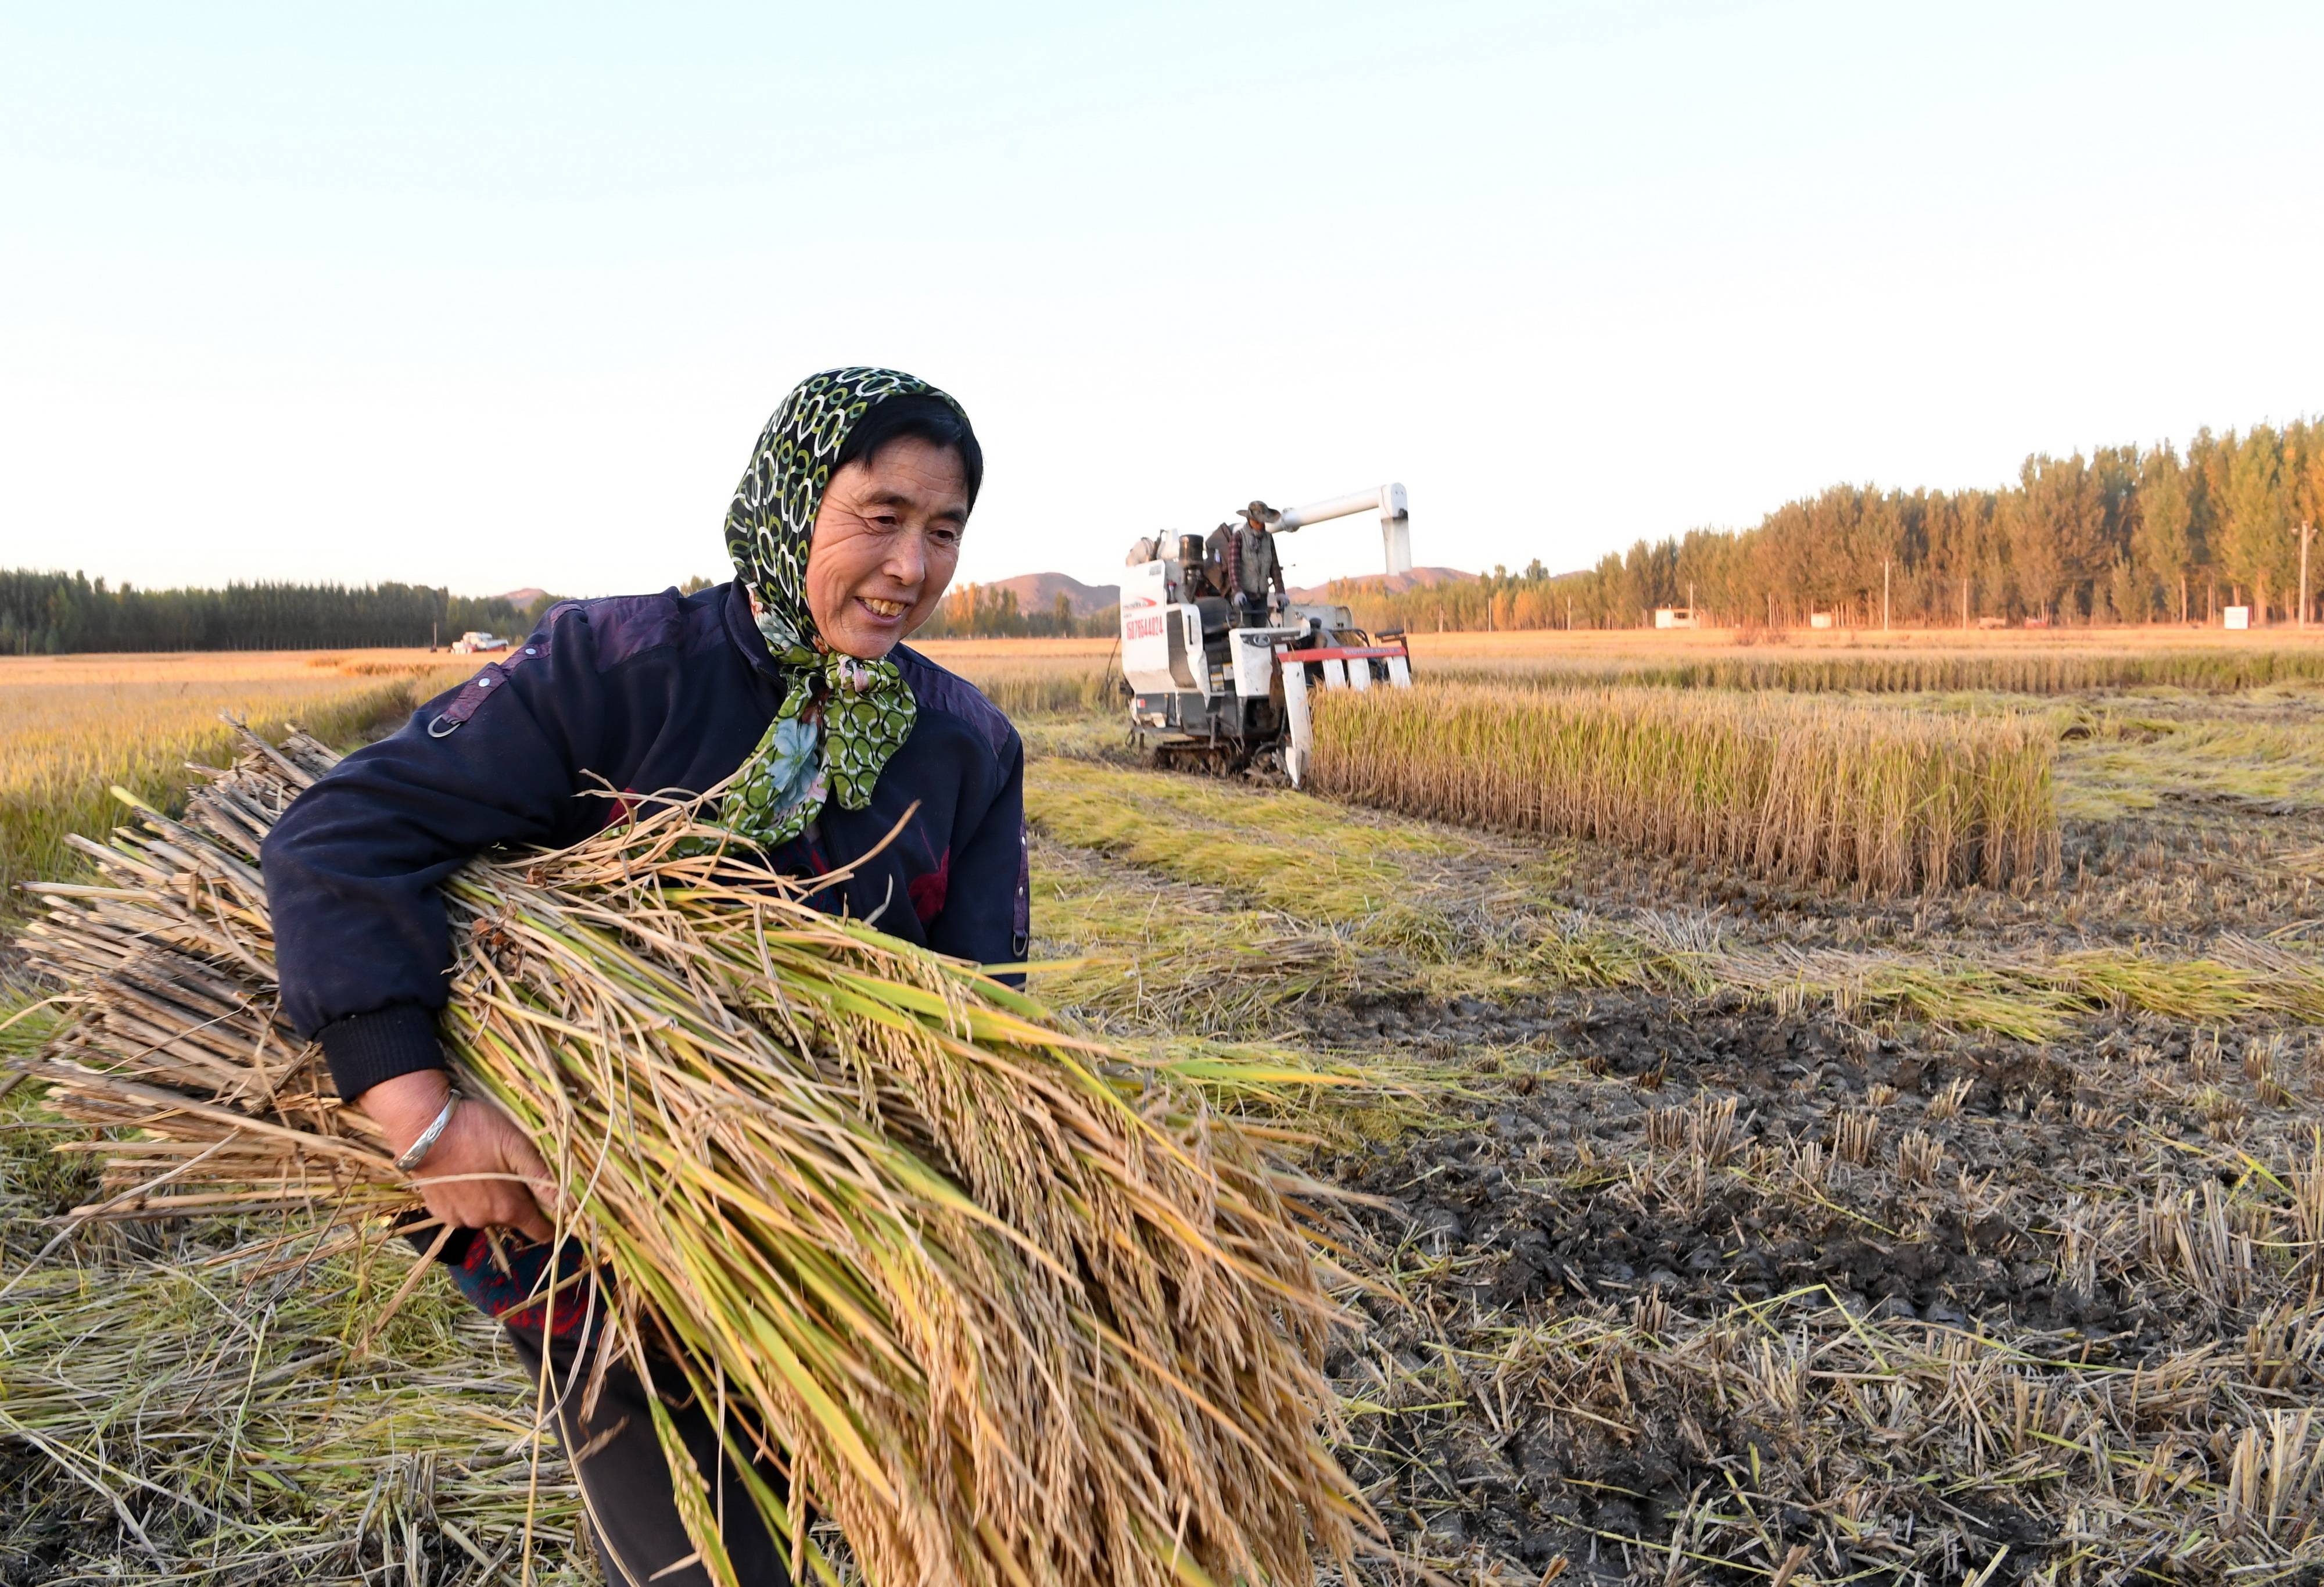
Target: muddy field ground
(1701,1229)
(1737,1232)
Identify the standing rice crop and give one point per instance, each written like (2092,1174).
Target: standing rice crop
(1047,686)
(1791,790)
(2214,669)
(71,727)
(1013,1310)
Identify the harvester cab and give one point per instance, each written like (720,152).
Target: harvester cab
(1220,660)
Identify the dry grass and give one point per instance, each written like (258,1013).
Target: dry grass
(869,1196)
(174,1410)
(188,1413)
(1796,790)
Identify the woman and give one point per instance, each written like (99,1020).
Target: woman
(845,533)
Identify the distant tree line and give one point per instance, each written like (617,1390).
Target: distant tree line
(58,613)
(983,611)
(53,613)
(2126,535)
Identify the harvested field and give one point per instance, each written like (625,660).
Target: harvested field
(1729,1227)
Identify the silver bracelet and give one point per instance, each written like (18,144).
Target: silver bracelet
(428,1136)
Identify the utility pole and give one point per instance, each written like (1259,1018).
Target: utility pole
(1884,595)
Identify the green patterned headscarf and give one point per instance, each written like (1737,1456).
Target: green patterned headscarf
(841,718)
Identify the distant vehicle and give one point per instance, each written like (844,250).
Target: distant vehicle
(475,642)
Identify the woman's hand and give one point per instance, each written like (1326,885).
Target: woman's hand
(480,1140)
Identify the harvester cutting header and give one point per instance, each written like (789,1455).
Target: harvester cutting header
(1218,655)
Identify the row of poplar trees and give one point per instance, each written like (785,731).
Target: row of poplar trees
(2126,535)
(983,611)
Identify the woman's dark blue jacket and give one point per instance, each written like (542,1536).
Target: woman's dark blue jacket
(651,694)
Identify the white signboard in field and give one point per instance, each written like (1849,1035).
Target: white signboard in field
(2237,616)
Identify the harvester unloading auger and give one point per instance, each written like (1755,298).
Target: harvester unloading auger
(1220,659)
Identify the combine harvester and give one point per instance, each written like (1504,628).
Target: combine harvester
(1220,659)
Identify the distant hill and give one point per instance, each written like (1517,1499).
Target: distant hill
(1038,592)
(521,598)
(1393,583)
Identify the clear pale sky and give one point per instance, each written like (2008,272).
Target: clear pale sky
(496,296)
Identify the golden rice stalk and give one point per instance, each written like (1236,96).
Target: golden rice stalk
(1012,1309)
(2045,672)
(1789,788)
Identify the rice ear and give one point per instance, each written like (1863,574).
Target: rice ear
(696,1509)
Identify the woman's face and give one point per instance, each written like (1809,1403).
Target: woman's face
(886,540)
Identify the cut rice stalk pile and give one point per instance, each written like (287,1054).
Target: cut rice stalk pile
(1012,1309)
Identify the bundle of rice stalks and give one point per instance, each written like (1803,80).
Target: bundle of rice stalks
(1009,1308)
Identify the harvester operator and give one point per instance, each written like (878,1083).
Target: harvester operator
(1242,558)
(853,752)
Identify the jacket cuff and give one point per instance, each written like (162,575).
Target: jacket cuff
(363,1049)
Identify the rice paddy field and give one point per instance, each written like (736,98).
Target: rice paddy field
(1755,1181)
(70,726)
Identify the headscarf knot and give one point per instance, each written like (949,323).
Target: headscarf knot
(842,718)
